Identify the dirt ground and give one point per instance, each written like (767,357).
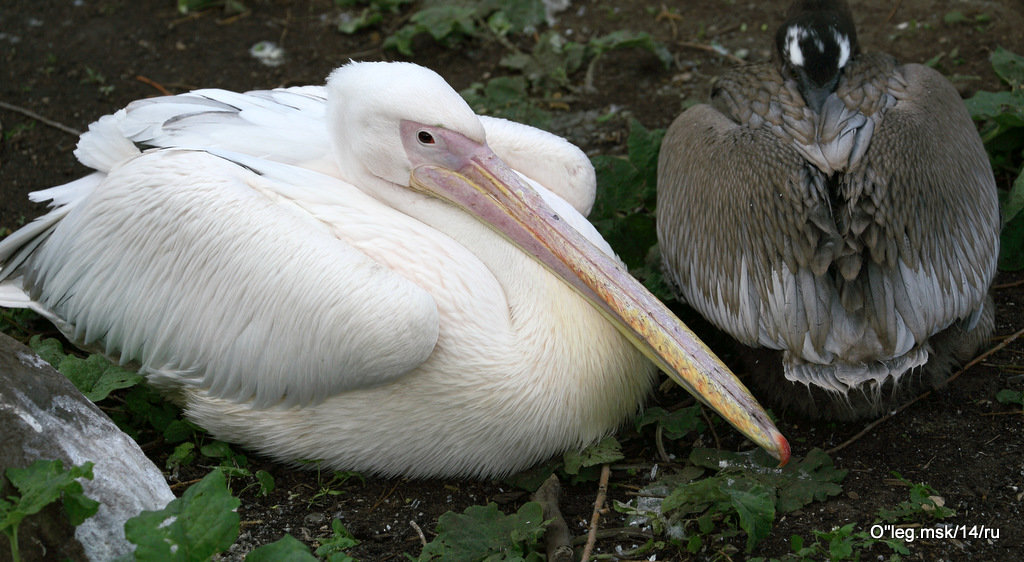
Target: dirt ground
(72,62)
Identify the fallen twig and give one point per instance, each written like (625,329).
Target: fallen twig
(423,538)
(32,114)
(617,533)
(154,84)
(711,427)
(602,492)
(557,541)
(893,12)
(710,49)
(895,412)
(1009,285)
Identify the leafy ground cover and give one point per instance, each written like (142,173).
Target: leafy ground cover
(610,76)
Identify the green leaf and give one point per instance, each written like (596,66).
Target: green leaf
(520,15)
(1009,66)
(193,527)
(286,548)
(992,105)
(532,478)
(694,497)
(1014,201)
(183,455)
(953,17)
(507,97)
(96,377)
(485,533)
(42,483)
(366,18)
(755,505)
(608,450)
(266,481)
(333,549)
(1007,396)
(1011,240)
(675,424)
(50,349)
(626,195)
(625,38)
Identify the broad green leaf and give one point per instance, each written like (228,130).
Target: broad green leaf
(485,533)
(801,481)
(991,105)
(755,505)
(183,455)
(694,497)
(1014,201)
(50,349)
(520,15)
(1009,66)
(1007,396)
(96,377)
(286,548)
(42,483)
(675,424)
(532,478)
(193,527)
(625,38)
(1011,240)
(606,451)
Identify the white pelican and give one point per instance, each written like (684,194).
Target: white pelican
(837,206)
(350,274)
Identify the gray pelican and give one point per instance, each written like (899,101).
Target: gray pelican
(351,274)
(836,206)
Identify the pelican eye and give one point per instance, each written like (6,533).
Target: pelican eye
(425,137)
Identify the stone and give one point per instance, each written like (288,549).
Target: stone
(43,416)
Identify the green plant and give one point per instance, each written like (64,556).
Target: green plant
(194,527)
(1008,396)
(333,549)
(746,491)
(39,485)
(924,503)
(450,22)
(95,376)
(485,533)
(372,13)
(841,543)
(331,487)
(229,6)
(1002,129)
(286,548)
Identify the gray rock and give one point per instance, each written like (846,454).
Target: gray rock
(43,416)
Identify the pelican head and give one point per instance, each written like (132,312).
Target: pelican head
(815,44)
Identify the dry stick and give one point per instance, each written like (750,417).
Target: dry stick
(895,412)
(711,426)
(1008,285)
(710,49)
(557,541)
(40,118)
(660,442)
(602,491)
(423,538)
(154,84)
(893,12)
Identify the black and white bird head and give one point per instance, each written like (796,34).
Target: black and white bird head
(815,43)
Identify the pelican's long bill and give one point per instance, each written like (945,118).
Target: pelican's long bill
(476,180)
